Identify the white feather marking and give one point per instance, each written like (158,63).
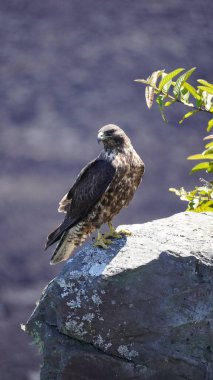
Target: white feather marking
(64,202)
(109,156)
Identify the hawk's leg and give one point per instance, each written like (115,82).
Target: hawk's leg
(102,241)
(114,234)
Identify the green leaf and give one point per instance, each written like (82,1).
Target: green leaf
(199,102)
(206,206)
(188,114)
(209,145)
(208,151)
(199,199)
(210,168)
(192,90)
(210,125)
(202,166)
(207,89)
(205,83)
(159,101)
(200,157)
(169,77)
(183,78)
(167,104)
(184,95)
(166,88)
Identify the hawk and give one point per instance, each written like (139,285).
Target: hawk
(101,190)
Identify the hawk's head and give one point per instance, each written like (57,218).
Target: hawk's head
(113,137)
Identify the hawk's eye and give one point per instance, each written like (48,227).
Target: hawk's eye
(110,133)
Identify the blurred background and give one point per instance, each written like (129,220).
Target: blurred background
(66,69)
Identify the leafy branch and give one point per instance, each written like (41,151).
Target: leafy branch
(162,87)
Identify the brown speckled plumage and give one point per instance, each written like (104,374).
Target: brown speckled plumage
(102,189)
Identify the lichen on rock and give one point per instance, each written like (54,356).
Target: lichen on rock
(140,310)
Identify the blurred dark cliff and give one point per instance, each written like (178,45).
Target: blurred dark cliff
(67,68)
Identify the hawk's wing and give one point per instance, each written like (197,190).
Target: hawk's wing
(91,183)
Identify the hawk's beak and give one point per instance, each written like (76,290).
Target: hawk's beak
(101,137)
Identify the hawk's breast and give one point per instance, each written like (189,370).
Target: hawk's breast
(129,171)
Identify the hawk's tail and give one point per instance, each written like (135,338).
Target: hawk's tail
(55,235)
(63,250)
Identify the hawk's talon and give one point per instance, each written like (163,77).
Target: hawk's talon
(125,232)
(114,234)
(101,241)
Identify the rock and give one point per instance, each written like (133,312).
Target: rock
(140,310)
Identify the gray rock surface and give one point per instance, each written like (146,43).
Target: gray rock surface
(140,310)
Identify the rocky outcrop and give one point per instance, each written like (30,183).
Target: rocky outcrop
(141,310)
